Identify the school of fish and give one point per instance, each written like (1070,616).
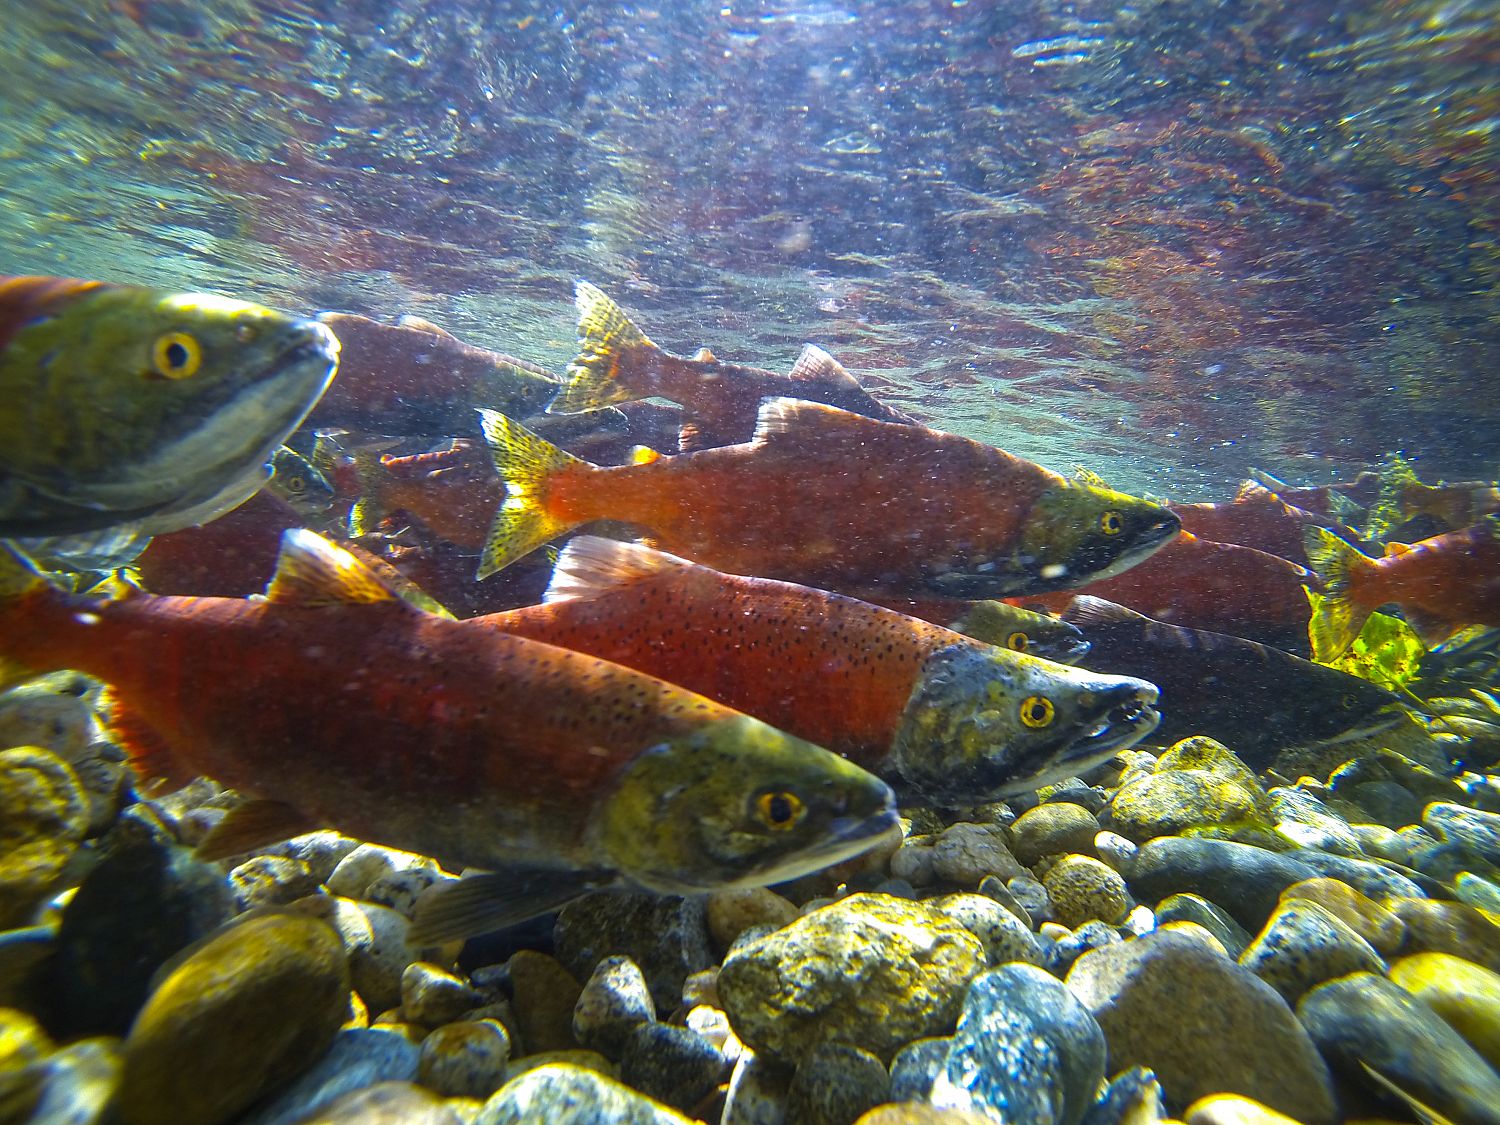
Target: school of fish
(793,606)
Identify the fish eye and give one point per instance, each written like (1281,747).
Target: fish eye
(1346,702)
(780,809)
(176,355)
(294,484)
(1111,523)
(1037,711)
(1018,642)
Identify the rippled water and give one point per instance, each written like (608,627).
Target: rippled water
(1166,240)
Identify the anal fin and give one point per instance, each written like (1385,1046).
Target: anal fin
(150,755)
(479,904)
(253,825)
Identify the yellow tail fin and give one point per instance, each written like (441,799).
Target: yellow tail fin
(604,331)
(1338,620)
(524,462)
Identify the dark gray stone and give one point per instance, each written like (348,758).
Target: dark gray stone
(359,1057)
(1245,880)
(614,1001)
(1387,803)
(665,935)
(1366,877)
(835,1085)
(674,1065)
(916,1066)
(1058,957)
(1133,1097)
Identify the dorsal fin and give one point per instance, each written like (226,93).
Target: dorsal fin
(785,417)
(590,565)
(312,571)
(1084,475)
(1253,491)
(1088,610)
(703,355)
(815,365)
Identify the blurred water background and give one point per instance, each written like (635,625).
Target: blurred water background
(1169,240)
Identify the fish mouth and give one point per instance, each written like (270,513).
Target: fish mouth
(845,838)
(1069,650)
(1125,723)
(1151,539)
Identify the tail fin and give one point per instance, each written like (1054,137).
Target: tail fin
(1393,508)
(604,331)
(368,509)
(1339,618)
(18,577)
(524,462)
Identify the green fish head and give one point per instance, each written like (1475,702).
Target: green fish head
(983,722)
(1023,630)
(1079,533)
(738,803)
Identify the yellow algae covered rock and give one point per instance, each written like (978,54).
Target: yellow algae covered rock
(1208,756)
(1435,926)
(1053,828)
(1466,995)
(1362,914)
(1302,945)
(870,970)
(1198,784)
(23,1043)
(44,814)
(1233,1109)
(251,1008)
(1083,890)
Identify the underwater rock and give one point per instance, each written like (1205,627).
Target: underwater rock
(1233,1109)
(1303,945)
(1085,890)
(1465,995)
(835,1084)
(1052,829)
(431,995)
(78,1084)
(1028,893)
(543,995)
(731,913)
(467,1059)
(1435,926)
(400,890)
(1132,1097)
(1244,880)
(916,1066)
(1026,1050)
(1194,908)
(569,1095)
(1004,936)
(387,1103)
(1363,1020)
(143,902)
(665,935)
(1174,801)
(1307,822)
(1366,876)
(992,888)
(322,851)
(375,939)
(674,1065)
(714,1026)
(1478,832)
(359,1058)
(1059,956)
(964,854)
(268,880)
(23,1047)
(912,1114)
(44,815)
(50,712)
(1203,1024)
(757,1092)
(913,861)
(1116,851)
(246,1011)
(1382,929)
(614,1000)
(583,1060)
(1385,802)
(369,862)
(869,970)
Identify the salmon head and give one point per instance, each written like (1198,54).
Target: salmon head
(983,722)
(1077,533)
(739,803)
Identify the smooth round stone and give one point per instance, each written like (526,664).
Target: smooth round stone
(1171,802)
(431,995)
(1478,892)
(359,1058)
(77,1084)
(47,714)
(1058,957)
(1444,862)
(245,1012)
(267,880)
(1232,1109)
(665,935)
(1053,829)
(400,890)
(1004,936)
(1244,880)
(964,854)
(700,988)
(1373,879)
(913,861)
(1386,803)
(1194,908)
(714,1026)
(757,1092)
(1073,791)
(1199,934)
(1028,892)
(992,887)
(1465,995)
(1307,822)
(1379,842)
(567,1095)
(1085,890)
(1434,926)
(675,1065)
(1477,831)
(375,937)
(1025,1050)
(543,995)
(1203,1024)
(387,1103)
(1132,1097)
(614,1000)
(1205,755)
(579,1058)
(1303,945)
(368,862)
(1364,1020)
(731,913)
(1362,914)
(835,1084)
(916,1067)
(467,1059)
(1116,851)
(869,970)
(44,814)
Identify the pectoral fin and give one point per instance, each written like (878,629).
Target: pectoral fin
(253,825)
(478,904)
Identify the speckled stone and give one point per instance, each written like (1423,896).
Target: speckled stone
(665,935)
(916,1066)
(579,1058)
(1059,956)
(1244,880)
(1386,803)
(836,1084)
(369,862)
(1373,879)
(992,887)
(375,939)
(431,995)
(912,1114)
(43,817)
(1174,801)
(387,1103)
(1004,936)
(1232,1109)
(243,1013)
(1132,1097)
(1203,1024)
(268,880)
(543,994)
(566,1095)
(359,1058)
(869,970)
(713,1025)
(1116,851)
(400,890)
(49,713)
(1028,892)
(1383,930)
(467,1059)
(1025,1050)
(757,1092)
(1303,945)
(1197,933)
(1053,829)
(1465,995)
(1365,1020)
(913,861)
(963,854)
(674,1065)
(1477,891)
(1085,890)
(1448,927)
(1478,832)
(321,851)
(730,913)
(1194,908)
(1305,821)
(614,1000)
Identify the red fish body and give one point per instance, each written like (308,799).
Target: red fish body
(231,557)
(452,491)
(1256,518)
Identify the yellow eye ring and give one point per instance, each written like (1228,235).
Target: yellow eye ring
(294,485)
(1037,711)
(779,810)
(1018,642)
(176,355)
(1111,523)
